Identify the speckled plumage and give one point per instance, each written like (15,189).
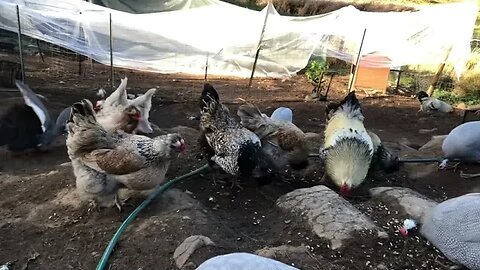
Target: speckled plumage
(463,142)
(236,148)
(431,104)
(243,261)
(105,161)
(453,227)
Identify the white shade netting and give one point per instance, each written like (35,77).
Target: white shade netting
(182,39)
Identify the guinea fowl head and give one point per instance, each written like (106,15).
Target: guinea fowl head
(408,225)
(421,95)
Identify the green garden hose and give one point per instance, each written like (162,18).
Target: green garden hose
(108,251)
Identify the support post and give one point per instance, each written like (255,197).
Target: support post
(206,68)
(352,81)
(20,45)
(111,52)
(259,46)
(435,78)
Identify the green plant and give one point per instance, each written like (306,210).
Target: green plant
(452,97)
(469,84)
(315,71)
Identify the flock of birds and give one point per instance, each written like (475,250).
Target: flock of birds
(109,150)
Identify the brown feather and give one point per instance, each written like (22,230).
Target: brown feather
(116,161)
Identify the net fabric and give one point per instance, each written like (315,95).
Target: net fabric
(180,40)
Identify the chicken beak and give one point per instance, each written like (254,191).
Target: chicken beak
(182,145)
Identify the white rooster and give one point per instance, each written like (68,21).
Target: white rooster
(105,161)
(118,112)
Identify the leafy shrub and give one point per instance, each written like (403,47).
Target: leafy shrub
(469,84)
(315,70)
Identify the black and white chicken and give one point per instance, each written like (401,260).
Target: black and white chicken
(232,147)
(350,151)
(430,104)
(30,126)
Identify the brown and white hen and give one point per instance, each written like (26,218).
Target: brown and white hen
(104,161)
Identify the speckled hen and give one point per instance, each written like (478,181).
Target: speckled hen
(232,147)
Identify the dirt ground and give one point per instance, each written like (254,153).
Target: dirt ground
(40,214)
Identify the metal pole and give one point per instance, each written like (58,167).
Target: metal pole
(357,62)
(111,53)
(20,44)
(259,46)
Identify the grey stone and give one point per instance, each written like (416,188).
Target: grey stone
(283,251)
(328,215)
(413,203)
(188,246)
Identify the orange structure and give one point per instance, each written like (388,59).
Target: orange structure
(372,78)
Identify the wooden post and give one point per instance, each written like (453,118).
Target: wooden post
(20,45)
(352,81)
(398,79)
(111,53)
(435,78)
(259,46)
(206,69)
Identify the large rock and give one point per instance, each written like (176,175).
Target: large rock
(329,215)
(413,203)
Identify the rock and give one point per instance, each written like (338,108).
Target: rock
(413,203)
(283,251)
(329,215)
(427,131)
(188,246)
(434,146)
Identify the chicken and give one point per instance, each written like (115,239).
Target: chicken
(453,227)
(283,134)
(105,161)
(348,149)
(431,104)
(382,159)
(232,147)
(243,261)
(117,112)
(29,126)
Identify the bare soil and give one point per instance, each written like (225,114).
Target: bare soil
(40,213)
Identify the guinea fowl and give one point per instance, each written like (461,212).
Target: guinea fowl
(29,126)
(235,149)
(279,133)
(430,104)
(453,227)
(104,161)
(243,261)
(116,112)
(462,144)
(282,114)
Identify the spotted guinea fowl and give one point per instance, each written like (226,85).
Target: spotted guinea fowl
(347,149)
(29,125)
(232,147)
(243,261)
(279,133)
(462,143)
(105,161)
(430,104)
(453,227)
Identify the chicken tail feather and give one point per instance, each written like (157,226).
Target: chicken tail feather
(251,117)
(349,106)
(209,99)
